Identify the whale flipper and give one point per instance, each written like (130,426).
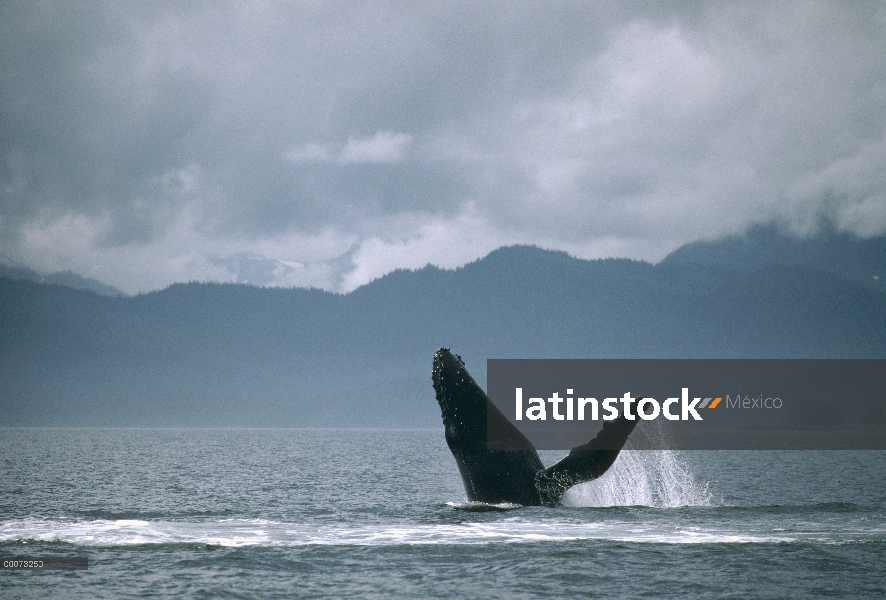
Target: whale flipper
(508,469)
(584,463)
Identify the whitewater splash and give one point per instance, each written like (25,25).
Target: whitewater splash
(483,506)
(657,478)
(249,532)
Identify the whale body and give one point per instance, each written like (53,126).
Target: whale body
(512,472)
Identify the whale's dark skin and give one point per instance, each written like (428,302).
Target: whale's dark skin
(512,472)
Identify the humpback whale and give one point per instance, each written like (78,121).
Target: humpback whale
(509,470)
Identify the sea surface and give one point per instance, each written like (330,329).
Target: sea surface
(257,513)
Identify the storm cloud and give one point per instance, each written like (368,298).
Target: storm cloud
(324,144)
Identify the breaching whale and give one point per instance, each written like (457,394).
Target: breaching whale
(512,472)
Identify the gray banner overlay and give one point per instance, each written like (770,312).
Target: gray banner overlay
(44,563)
(697,404)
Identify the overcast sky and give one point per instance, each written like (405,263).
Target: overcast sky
(327,143)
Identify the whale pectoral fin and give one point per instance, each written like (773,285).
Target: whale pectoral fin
(586,462)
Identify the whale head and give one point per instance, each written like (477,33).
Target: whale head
(490,474)
(462,402)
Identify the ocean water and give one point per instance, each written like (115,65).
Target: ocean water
(234,513)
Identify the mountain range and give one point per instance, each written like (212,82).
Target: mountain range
(205,354)
(65,278)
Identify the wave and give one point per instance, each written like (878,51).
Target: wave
(817,507)
(483,506)
(256,532)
